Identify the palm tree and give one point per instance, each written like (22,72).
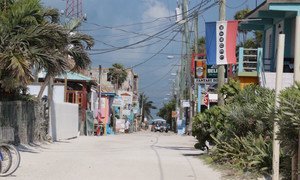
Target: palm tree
(73,51)
(240,15)
(201,45)
(117,75)
(146,106)
(31,38)
(25,38)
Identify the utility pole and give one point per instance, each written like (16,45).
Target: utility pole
(221,68)
(99,94)
(187,59)
(278,88)
(192,98)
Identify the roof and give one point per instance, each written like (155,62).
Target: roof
(268,12)
(75,76)
(265,6)
(70,76)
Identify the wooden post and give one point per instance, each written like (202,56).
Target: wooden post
(279,73)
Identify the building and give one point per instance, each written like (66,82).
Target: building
(272,17)
(122,102)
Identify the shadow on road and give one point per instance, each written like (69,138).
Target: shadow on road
(178,148)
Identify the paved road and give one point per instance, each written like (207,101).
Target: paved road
(139,156)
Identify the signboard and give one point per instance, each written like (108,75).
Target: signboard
(200,70)
(118,102)
(174,114)
(185,103)
(213,98)
(206,81)
(212,71)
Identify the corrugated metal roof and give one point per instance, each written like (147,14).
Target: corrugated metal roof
(70,76)
(75,76)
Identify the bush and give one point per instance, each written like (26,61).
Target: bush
(288,116)
(241,129)
(206,124)
(249,153)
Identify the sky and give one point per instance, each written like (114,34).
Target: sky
(118,23)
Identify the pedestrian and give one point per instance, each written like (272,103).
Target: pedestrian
(127,125)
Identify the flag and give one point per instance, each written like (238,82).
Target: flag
(221,42)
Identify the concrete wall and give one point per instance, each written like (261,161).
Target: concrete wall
(287,80)
(58,91)
(27,119)
(64,121)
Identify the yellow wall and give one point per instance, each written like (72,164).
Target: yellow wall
(244,81)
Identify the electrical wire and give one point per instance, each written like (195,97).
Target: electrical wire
(156,53)
(151,84)
(235,7)
(150,36)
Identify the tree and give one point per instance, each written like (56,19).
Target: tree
(201,45)
(117,75)
(74,52)
(240,15)
(31,38)
(166,111)
(252,42)
(146,106)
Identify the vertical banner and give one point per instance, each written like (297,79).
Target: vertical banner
(221,42)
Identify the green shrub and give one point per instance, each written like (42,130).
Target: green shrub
(288,116)
(241,129)
(249,153)
(206,124)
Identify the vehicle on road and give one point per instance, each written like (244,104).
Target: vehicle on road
(159,125)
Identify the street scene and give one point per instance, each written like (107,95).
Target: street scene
(150,89)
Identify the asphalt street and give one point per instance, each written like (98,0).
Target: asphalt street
(137,156)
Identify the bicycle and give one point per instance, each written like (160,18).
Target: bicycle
(9,156)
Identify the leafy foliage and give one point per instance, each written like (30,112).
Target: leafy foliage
(117,74)
(32,38)
(241,130)
(208,124)
(166,111)
(251,152)
(289,118)
(146,105)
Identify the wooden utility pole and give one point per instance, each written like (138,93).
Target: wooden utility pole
(192,108)
(279,73)
(221,68)
(296,157)
(187,61)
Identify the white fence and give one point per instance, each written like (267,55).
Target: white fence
(64,121)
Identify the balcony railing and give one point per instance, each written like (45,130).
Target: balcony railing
(250,62)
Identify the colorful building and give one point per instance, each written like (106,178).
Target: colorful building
(272,17)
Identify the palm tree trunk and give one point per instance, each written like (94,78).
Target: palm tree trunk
(45,83)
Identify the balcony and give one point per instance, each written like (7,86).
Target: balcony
(250,62)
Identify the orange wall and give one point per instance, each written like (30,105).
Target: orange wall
(244,81)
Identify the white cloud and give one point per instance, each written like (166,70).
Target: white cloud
(155,9)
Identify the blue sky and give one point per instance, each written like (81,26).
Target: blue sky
(116,23)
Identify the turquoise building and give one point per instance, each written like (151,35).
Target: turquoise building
(273,17)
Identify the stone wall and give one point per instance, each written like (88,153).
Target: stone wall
(27,119)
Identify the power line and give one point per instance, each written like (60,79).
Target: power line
(235,7)
(151,84)
(155,53)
